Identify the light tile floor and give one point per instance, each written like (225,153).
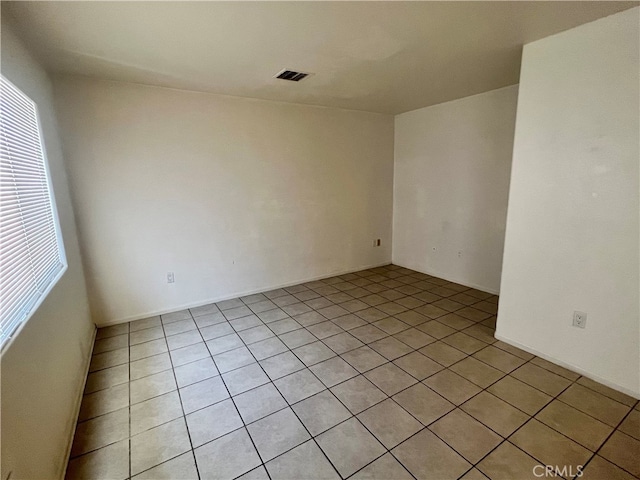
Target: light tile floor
(381,374)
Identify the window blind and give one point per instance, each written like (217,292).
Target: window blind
(31,251)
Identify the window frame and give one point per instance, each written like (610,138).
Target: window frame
(6,340)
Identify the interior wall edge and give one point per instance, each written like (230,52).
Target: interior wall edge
(237,295)
(568,366)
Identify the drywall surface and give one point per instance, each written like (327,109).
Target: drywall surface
(231,195)
(43,369)
(572,225)
(451,182)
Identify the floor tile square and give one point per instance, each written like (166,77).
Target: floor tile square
(548,446)
(578,426)
(417,365)
(390,348)
(148,366)
(325,329)
(144,323)
(299,385)
(477,372)
(110,462)
(202,394)
(154,412)
(212,422)
(227,457)
(297,338)
(385,467)
(245,378)
(599,468)
(414,338)
(452,386)
(255,334)
(520,395)
(111,343)
(358,394)
(183,467)
(179,327)
(210,319)
(391,325)
(273,315)
(313,353)
(342,343)
(281,365)
(189,354)
(267,348)
(107,400)
(320,412)
(152,447)
(228,304)
(423,403)
(146,335)
(224,344)
(147,349)
(607,392)
(537,377)
(390,423)
(593,403)
(466,435)
(364,359)
(349,446)
(109,359)
(183,339)
(217,330)
(349,322)
(109,377)
(428,457)
(464,343)
(333,371)
(390,378)
(508,462)
(100,431)
(237,312)
(499,359)
(304,461)
(259,402)
(368,333)
(277,433)
(233,359)
(435,329)
(283,326)
(354,305)
(204,310)
(296,309)
(495,413)
(195,371)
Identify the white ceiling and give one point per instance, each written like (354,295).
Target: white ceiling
(387,57)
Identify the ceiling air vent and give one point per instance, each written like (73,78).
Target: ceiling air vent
(291,75)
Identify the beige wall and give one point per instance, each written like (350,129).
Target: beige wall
(452,165)
(232,195)
(43,370)
(572,227)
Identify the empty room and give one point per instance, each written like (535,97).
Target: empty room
(320,240)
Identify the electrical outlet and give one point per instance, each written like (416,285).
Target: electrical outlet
(378,242)
(170,277)
(579,319)
(459,253)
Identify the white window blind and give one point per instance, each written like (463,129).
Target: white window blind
(31,252)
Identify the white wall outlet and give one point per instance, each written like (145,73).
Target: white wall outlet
(580,319)
(376,242)
(170,277)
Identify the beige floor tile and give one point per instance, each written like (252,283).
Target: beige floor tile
(204,310)
(600,469)
(272,315)
(631,424)
(267,348)
(100,431)
(255,334)
(182,467)
(259,402)
(237,312)
(442,353)
(520,395)
(390,378)
(368,333)
(495,413)
(109,462)
(106,378)
(465,435)
(184,339)
(109,359)
(158,445)
(325,329)
(297,338)
(175,316)
(147,349)
(277,433)
(477,372)
(513,350)
(281,365)
(473,474)
(542,379)
(414,338)
(244,323)
(499,359)
(358,394)
(350,446)
(195,372)
(417,365)
(304,461)
(152,386)
(385,467)
(391,325)
(333,371)
(202,394)
(452,386)
(189,354)
(413,318)
(146,335)
(299,385)
(179,327)
(342,343)
(349,322)
(508,462)
(455,321)
(431,311)
(227,457)
(154,412)
(110,343)
(608,392)
(321,412)
(389,423)
(150,365)
(144,323)
(582,428)
(428,457)
(390,348)
(258,473)
(593,403)
(423,403)
(224,344)
(624,451)
(549,447)
(313,353)
(364,359)
(209,319)
(104,401)
(213,422)
(236,358)
(557,369)
(216,331)
(283,326)
(482,331)
(245,378)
